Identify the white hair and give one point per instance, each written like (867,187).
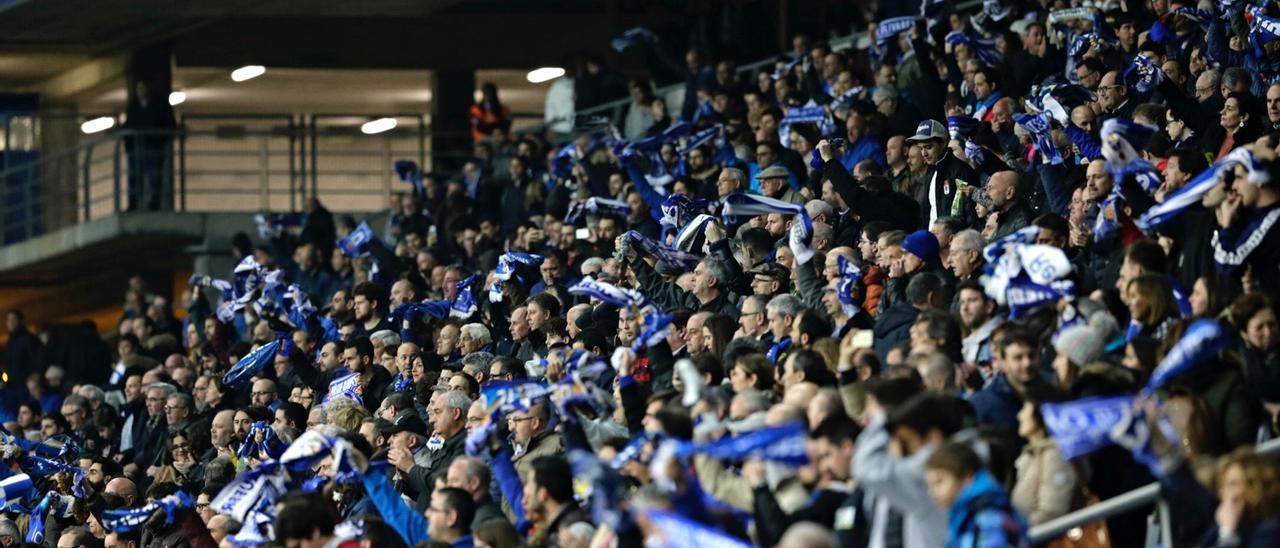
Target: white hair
(968,239)
(476,331)
(592,263)
(387,336)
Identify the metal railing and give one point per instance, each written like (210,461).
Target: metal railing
(227,168)
(1146,495)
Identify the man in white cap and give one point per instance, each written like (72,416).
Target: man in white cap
(949,178)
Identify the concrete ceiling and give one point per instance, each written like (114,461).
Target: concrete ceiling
(103,26)
(315,91)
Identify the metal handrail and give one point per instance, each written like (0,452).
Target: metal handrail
(1114,506)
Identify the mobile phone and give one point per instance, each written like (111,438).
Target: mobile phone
(582,233)
(863,338)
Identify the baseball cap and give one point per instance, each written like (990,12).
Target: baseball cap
(409,422)
(929,130)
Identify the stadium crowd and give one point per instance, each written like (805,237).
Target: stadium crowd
(981,271)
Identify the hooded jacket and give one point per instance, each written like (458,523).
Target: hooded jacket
(982,516)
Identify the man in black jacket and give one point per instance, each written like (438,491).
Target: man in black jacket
(836,504)
(948,177)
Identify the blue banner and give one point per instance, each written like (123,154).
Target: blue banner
(1082,426)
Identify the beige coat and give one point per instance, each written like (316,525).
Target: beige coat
(1047,485)
(545,444)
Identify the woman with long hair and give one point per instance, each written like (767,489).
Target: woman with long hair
(1152,307)
(1237,125)
(717,331)
(489,113)
(1254,317)
(1212,293)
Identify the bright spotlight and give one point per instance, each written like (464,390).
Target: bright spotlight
(247,72)
(378,126)
(544,74)
(98,124)
(177,98)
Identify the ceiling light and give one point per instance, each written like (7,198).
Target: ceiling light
(177,98)
(98,124)
(544,74)
(247,72)
(378,126)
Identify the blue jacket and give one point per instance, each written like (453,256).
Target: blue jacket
(866,148)
(997,404)
(982,516)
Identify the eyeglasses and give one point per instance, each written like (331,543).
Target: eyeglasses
(181,447)
(519,419)
(173,407)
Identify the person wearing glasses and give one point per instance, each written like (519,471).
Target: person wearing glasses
(1113,95)
(531,437)
(449,517)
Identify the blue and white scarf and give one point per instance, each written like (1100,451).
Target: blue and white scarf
(508,396)
(348,386)
(698,139)
(124,521)
(464,305)
(784,444)
(251,364)
(983,48)
(676,531)
(657,327)
(354,244)
(665,254)
(1194,190)
(1037,125)
(1082,426)
(251,491)
(609,293)
(604,207)
(849,276)
(750,205)
(631,36)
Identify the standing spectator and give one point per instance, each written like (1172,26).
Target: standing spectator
(489,113)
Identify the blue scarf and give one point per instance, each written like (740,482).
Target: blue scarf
(778,348)
(355,243)
(251,364)
(665,254)
(409,172)
(609,293)
(1037,125)
(124,521)
(784,444)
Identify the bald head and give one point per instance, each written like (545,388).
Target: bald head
(1002,189)
(124,488)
